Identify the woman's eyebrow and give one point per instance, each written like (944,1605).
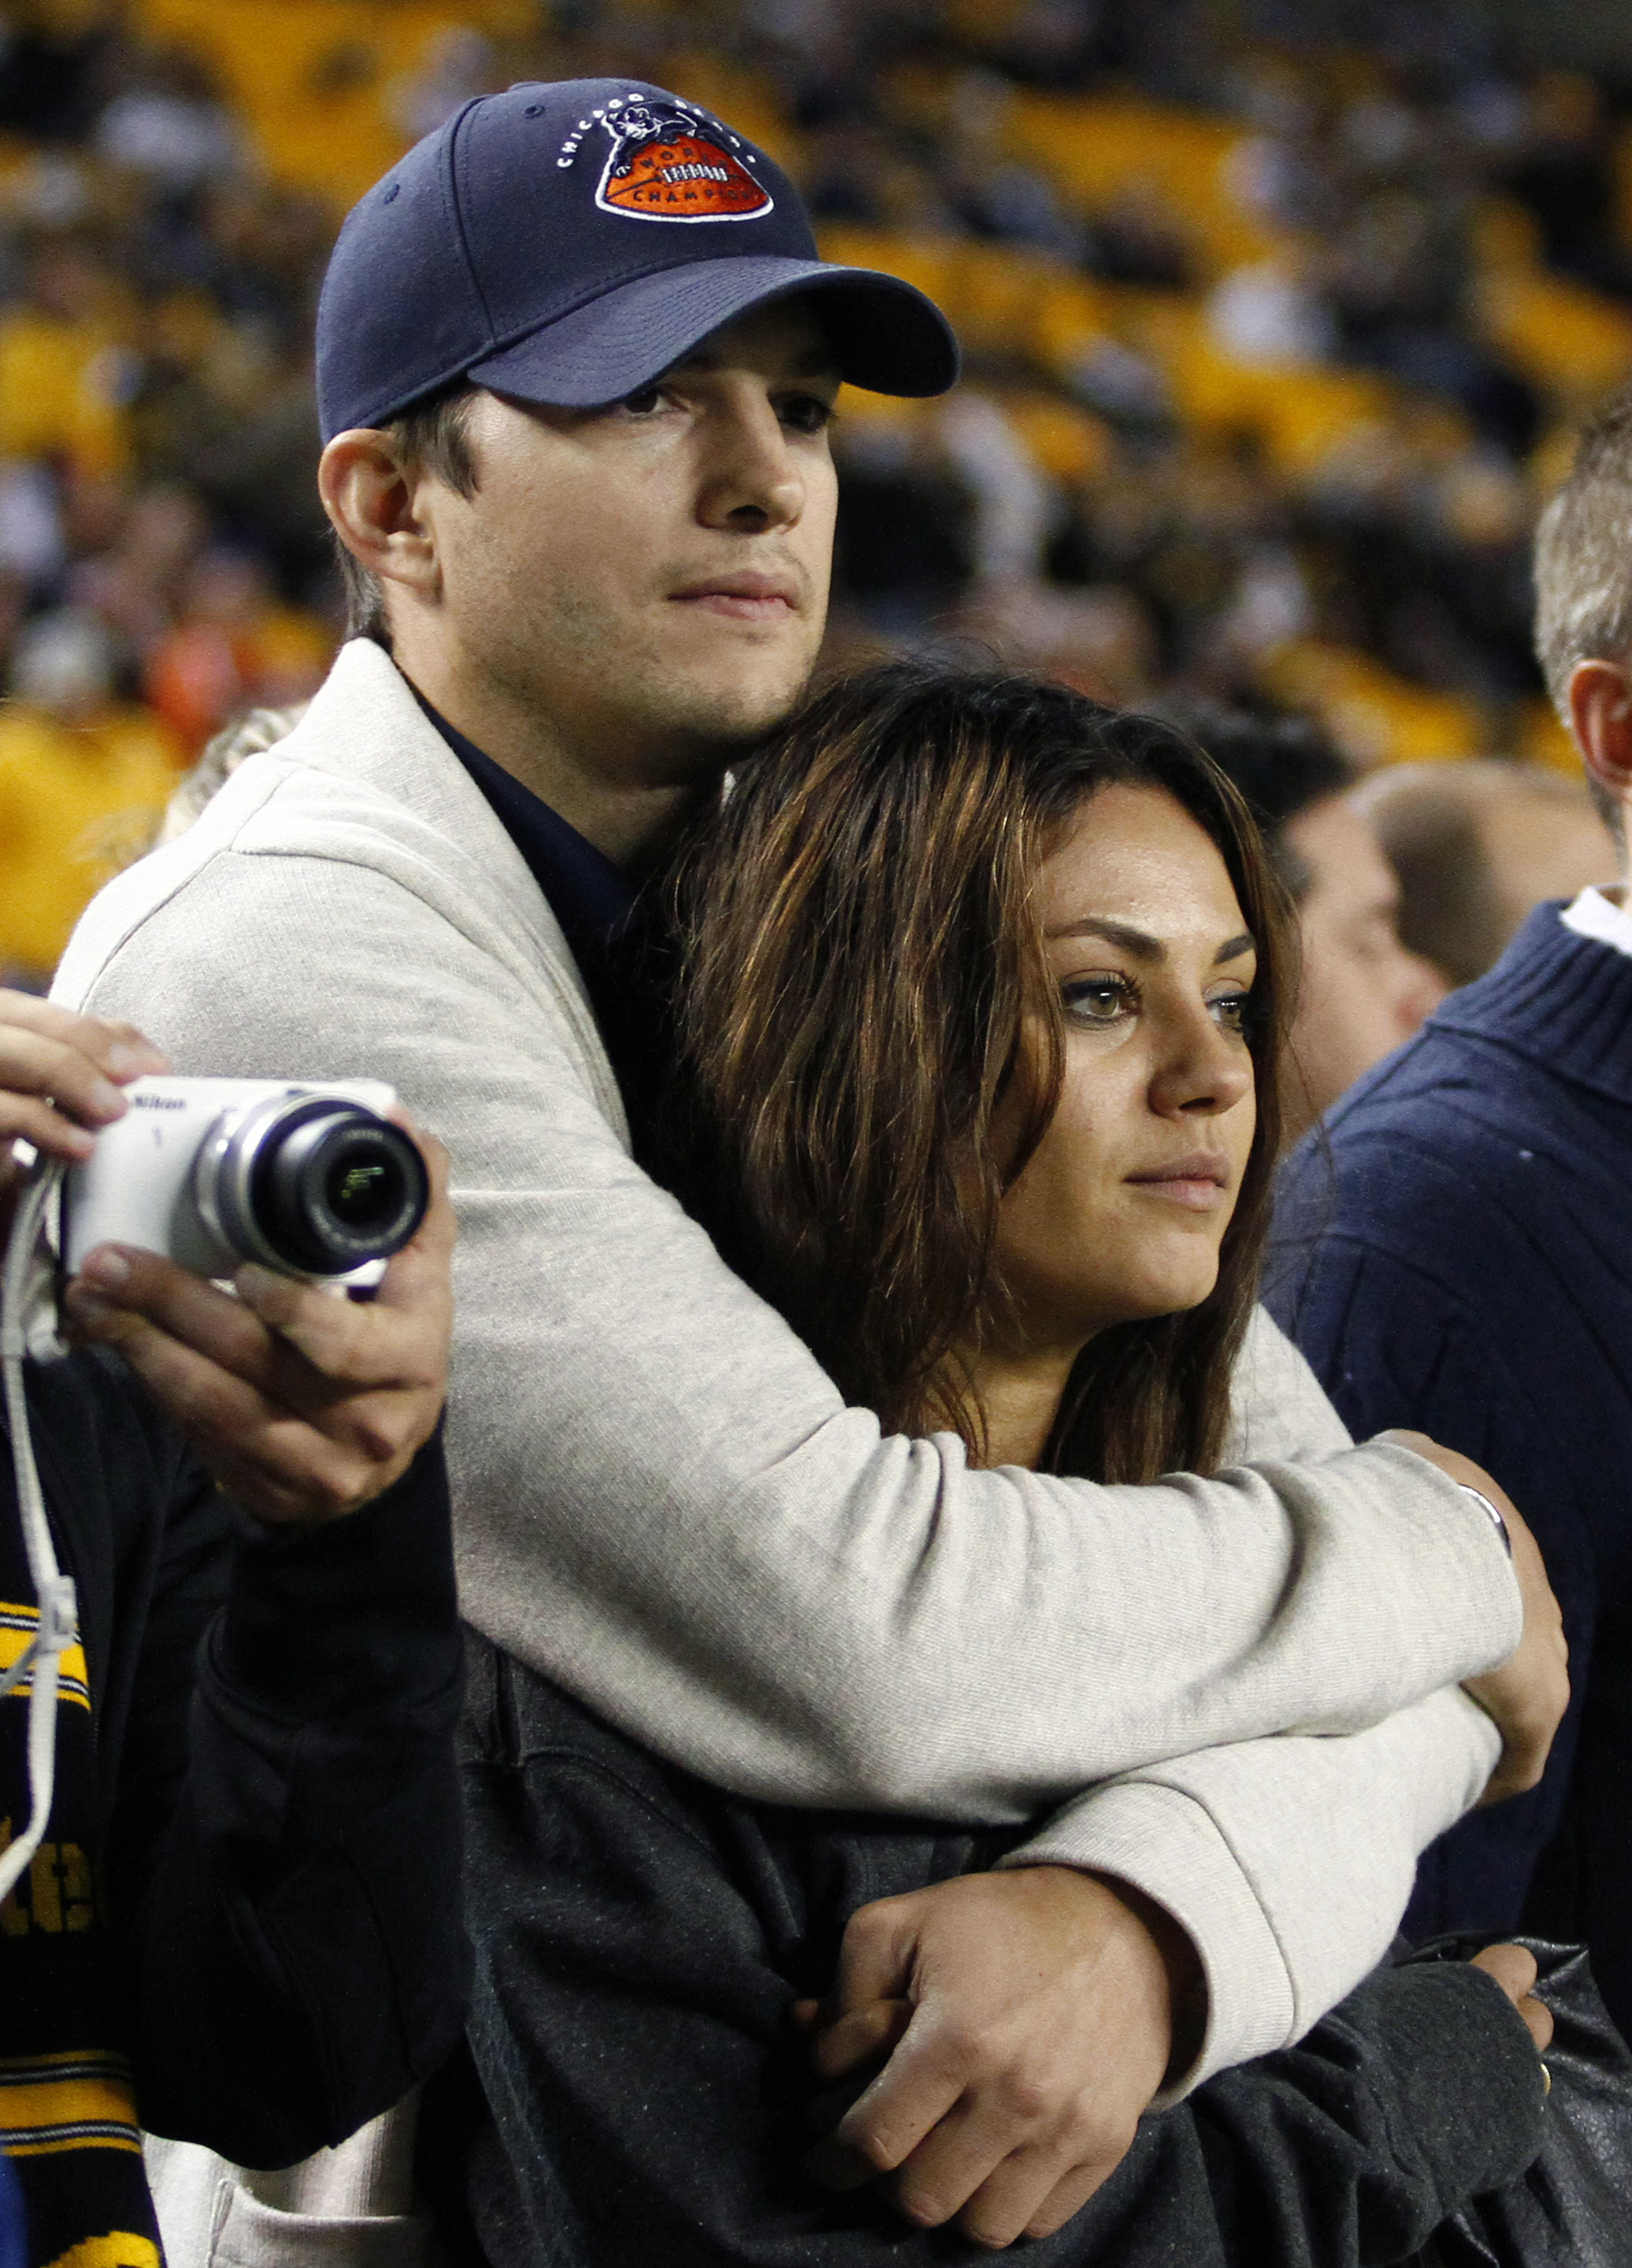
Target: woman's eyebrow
(1140,944)
(1137,942)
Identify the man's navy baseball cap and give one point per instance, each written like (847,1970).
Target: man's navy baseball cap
(566,243)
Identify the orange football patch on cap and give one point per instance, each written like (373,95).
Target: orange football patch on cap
(684,178)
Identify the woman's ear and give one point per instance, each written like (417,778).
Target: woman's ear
(372,500)
(1600,717)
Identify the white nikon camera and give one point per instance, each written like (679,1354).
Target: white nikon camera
(310,1180)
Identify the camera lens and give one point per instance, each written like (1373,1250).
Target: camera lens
(333,1186)
(363,1188)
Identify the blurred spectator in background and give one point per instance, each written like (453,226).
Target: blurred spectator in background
(1362,993)
(1272,346)
(230,647)
(1456,1255)
(73,759)
(1474,847)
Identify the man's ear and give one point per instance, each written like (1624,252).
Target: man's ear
(1600,717)
(374,502)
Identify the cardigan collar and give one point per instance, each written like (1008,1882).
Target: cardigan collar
(1556,997)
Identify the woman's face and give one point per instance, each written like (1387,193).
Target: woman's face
(1121,1211)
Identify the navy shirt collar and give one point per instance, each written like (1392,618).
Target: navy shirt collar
(613,932)
(587,893)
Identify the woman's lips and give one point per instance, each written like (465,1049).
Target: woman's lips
(1200,1184)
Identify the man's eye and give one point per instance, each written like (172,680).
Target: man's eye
(807,413)
(643,403)
(1099,999)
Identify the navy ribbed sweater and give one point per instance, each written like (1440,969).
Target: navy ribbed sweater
(1456,1255)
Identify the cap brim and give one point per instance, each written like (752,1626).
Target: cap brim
(885,336)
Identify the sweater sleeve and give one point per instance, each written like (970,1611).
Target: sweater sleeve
(1289,1861)
(290,1839)
(852,1618)
(664,1505)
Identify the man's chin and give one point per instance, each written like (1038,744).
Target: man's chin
(731,706)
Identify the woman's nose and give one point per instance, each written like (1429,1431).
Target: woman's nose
(1205,1072)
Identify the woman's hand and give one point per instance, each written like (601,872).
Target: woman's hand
(1515,1971)
(60,1080)
(304,1404)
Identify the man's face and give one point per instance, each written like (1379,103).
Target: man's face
(1361,993)
(652,577)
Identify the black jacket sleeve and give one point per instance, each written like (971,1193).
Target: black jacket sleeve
(275,1717)
(639,1939)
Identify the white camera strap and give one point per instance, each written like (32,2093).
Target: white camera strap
(58,1627)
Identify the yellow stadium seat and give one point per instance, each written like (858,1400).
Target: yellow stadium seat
(1378,717)
(61,786)
(1069,443)
(1099,151)
(59,393)
(313,80)
(1543,739)
(1573,343)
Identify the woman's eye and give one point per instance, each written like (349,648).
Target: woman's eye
(1099,999)
(1233,1013)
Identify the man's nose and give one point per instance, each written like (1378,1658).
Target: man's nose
(751,479)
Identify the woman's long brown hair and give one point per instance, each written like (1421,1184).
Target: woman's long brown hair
(862,956)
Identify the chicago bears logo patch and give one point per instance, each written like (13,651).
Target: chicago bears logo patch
(673,164)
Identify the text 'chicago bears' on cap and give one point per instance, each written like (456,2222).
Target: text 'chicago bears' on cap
(566,243)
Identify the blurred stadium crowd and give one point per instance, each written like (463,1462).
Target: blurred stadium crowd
(1272,351)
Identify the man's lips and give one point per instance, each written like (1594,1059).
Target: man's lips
(743,597)
(1199,1182)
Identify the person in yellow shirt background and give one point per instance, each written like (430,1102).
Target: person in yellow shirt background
(78,767)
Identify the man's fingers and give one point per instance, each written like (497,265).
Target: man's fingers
(1067,2197)
(924,2078)
(25,1119)
(80,1061)
(324,1346)
(118,1048)
(875,1957)
(274,1462)
(862,2036)
(426,1258)
(1025,2192)
(122,1284)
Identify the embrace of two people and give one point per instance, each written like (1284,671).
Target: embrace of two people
(942,1680)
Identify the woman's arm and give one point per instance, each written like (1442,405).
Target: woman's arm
(640,1941)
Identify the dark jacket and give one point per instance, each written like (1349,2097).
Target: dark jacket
(275,1787)
(1456,1255)
(640,1938)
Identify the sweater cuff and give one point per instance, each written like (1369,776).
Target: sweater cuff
(1455,2040)
(1165,1844)
(359,1615)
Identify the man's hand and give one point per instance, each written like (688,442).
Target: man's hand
(60,1080)
(1028,2017)
(303,1404)
(1528,1695)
